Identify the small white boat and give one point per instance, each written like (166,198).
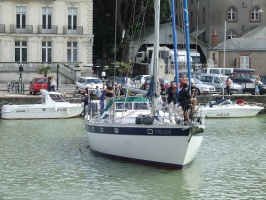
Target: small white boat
(226,108)
(52,106)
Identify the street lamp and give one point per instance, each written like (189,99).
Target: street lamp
(57,76)
(20,79)
(97,70)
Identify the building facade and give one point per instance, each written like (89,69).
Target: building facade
(213,22)
(46,32)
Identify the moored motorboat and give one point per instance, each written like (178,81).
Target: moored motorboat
(225,108)
(52,106)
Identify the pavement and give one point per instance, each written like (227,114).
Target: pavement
(66,89)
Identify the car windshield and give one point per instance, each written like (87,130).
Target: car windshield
(95,81)
(42,80)
(197,81)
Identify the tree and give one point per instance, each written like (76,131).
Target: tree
(44,70)
(130,15)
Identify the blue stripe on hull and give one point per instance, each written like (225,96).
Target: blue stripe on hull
(145,162)
(135,130)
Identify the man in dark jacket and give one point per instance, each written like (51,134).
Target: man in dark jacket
(185,100)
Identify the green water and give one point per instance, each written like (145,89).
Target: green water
(50,159)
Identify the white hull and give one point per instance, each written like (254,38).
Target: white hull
(40,111)
(164,150)
(230,111)
(53,106)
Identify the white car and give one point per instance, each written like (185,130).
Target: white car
(140,79)
(202,88)
(88,82)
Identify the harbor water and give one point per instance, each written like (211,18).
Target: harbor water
(51,159)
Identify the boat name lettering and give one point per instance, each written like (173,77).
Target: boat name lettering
(163,132)
(61,109)
(21,111)
(223,114)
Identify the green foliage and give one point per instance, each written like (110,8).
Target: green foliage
(124,69)
(44,70)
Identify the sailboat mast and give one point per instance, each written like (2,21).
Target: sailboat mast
(224,50)
(174,40)
(156,50)
(186,24)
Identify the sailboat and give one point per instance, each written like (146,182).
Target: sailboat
(146,139)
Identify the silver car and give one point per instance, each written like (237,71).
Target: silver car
(202,88)
(218,81)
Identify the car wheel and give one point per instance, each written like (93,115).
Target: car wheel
(197,92)
(30,92)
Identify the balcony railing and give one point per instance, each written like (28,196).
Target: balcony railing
(47,29)
(2,28)
(73,30)
(26,29)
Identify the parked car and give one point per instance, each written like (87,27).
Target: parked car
(263,79)
(218,81)
(123,80)
(37,84)
(202,88)
(140,79)
(88,82)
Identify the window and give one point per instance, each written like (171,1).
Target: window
(72,51)
(231,34)
(46,51)
(244,62)
(47,18)
(72,18)
(231,14)
(255,15)
(21,16)
(20,51)
(217,80)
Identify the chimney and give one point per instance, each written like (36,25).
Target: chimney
(214,38)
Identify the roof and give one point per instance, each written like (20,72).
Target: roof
(243,44)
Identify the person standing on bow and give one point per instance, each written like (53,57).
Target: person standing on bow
(172,100)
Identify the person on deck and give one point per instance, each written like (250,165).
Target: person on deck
(172,100)
(185,100)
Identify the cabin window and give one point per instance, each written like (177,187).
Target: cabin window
(57,98)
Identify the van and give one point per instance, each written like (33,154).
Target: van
(225,71)
(218,81)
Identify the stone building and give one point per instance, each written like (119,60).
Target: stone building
(34,33)
(245,19)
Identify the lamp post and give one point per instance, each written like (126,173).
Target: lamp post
(57,76)
(20,79)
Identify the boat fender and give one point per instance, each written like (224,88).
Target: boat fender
(67,111)
(55,107)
